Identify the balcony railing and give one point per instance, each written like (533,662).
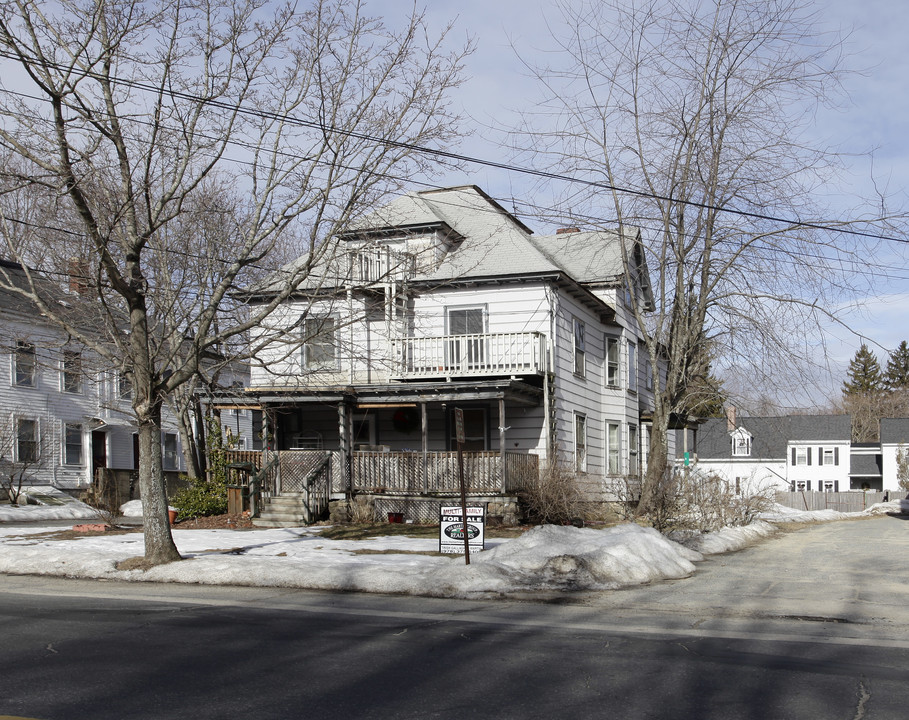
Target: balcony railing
(487,354)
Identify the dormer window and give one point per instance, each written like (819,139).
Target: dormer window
(741,443)
(379,263)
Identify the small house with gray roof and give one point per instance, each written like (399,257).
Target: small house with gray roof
(442,317)
(794,452)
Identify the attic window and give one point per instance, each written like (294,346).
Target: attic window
(741,445)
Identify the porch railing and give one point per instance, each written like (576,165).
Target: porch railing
(437,472)
(493,354)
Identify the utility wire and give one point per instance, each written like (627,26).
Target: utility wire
(457,157)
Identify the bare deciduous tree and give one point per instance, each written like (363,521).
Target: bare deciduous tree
(691,120)
(186,144)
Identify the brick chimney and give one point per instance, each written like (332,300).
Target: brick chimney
(565,231)
(730,418)
(79,276)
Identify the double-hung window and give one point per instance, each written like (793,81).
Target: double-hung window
(72,371)
(124,387)
(467,346)
(613,449)
(320,350)
(580,349)
(25,364)
(633,467)
(170,459)
(72,444)
(632,367)
(27,440)
(612,362)
(580,442)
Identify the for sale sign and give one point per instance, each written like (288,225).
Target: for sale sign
(452,528)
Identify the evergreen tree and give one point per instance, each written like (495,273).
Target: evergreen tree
(864,374)
(897,373)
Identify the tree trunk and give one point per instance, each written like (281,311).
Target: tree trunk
(159,544)
(657,459)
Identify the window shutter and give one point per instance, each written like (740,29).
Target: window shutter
(820,456)
(836,457)
(809,455)
(808,484)
(836,486)
(793,456)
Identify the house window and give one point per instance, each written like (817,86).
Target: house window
(612,362)
(257,430)
(613,449)
(580,354)
(632,367)
(27,440)
(633,468)
(648,374)
(466,352)
(828,486)
(72,444)
(580,442)
(170,451)
(124,387)
(321,343)
(741,445)
(828,455)
(801,456)
(72,371)
(26,364)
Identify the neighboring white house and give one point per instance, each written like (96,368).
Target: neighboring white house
(795,452)
(894,440)
(62,413)
(445,300)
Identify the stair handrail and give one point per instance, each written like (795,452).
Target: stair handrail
(309,511)
(255,485)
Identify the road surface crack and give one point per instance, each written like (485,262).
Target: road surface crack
(864,697)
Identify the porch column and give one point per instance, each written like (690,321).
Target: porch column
(345,445)
(424,425)
(502,440)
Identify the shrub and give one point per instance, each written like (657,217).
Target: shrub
(200,498)
(555,497)
(206,496)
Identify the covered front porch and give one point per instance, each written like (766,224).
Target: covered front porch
(397,442)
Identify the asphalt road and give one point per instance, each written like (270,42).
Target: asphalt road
(811,624)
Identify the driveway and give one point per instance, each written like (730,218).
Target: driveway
(846,577)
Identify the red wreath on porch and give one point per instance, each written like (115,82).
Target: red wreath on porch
(405,420)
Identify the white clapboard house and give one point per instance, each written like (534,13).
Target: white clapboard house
(443,304)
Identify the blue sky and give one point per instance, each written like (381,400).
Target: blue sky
(872,116)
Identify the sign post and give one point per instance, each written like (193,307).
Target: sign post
(459,432)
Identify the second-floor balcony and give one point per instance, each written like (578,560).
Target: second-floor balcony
(485,354)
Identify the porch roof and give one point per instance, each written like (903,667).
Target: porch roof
(515,391)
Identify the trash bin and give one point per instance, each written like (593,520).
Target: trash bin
(394,517)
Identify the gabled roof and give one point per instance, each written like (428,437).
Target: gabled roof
(487,242)
(895,431)
(772,435)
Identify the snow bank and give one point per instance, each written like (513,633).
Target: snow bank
(728,539)
(545,558)
(50,504)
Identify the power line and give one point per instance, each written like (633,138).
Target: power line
(458,157)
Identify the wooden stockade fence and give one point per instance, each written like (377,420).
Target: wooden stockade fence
(848,501)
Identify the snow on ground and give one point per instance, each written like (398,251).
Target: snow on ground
(51,504)
(547,558)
